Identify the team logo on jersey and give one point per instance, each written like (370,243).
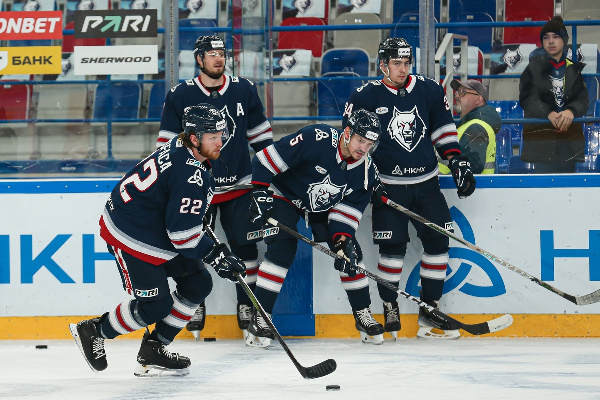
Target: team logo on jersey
(397,170)
(382,235)
(407,128)
(381,110)
(196,178)
(146,293)
(321,134)
(512,58)
(228,133)
(324,195)
(320,169)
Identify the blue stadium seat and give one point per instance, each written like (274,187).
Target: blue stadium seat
(457,7)
(411,35)
(188,38)
(592,148)
(402,7)
(156,99)
(117,100)
(333,94)
(481,37)
(518,166)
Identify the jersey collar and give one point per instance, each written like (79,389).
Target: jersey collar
(221,90)
(408,87)
(349,164)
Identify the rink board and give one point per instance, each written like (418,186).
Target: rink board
(54,265)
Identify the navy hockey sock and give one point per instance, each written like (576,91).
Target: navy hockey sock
(359,298)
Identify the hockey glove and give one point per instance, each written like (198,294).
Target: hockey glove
(261,205)
(378,191)
(225,263)
(463,176)
(346,248)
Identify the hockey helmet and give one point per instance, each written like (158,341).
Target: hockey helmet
(395,48)
(201,119)
(366,124)
(207,43)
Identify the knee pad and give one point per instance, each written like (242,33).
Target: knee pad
(247,252)
(282,252)
(196,287)
(437,245)
(398,249)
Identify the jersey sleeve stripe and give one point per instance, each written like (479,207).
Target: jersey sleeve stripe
(186,239)
(346,219)
(350,211)
(444,131)
(271,159)
(164,137)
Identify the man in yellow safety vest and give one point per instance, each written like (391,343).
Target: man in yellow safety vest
(477,127)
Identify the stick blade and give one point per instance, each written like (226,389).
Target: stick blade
(320,370)
(494,325)
(591,298)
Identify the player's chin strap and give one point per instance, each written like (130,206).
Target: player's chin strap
(388,76)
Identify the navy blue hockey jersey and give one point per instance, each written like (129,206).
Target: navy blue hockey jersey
(307,169)
(414,120)
(156,210)
(246,124)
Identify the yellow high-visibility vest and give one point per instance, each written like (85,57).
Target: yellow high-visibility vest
(490,153)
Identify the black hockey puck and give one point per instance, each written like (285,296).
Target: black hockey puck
(210,339)
(332,387)
(41,346)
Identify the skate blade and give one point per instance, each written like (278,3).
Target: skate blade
(244,333)
(150,371)
(427,332)
(394,335)
(257,341)
(196,335)
(75,334)
(375,339)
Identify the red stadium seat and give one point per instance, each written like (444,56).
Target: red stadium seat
(69,41)
(14,101)
(541,10)
(309,40)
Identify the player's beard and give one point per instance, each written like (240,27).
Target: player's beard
(213,155)
(457,108)
(215,73)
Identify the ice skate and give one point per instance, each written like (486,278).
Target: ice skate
(244,314)
(259,333)
(154,359)
(90,343)
(391,312)
(428,322)
(196,324)
(370,330)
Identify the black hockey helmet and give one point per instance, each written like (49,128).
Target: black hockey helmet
(394,48)
(366,124)
(207,43)
(201,119)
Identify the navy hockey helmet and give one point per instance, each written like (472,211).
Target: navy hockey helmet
(201,119)
(366,124)
(207,43)
(395,48)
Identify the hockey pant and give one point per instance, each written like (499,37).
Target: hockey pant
(390,232)
(281,251)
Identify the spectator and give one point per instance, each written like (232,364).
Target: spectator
(477,127)
(552,87)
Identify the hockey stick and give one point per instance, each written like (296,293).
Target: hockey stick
(590,298)
(316,371)
(482,328)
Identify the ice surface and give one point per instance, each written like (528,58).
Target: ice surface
(468,368)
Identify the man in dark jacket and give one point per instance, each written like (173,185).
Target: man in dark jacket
(477,127)
(552,87)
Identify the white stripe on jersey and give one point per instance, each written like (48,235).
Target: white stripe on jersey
(135,244)
(271,276)
(260,133)
(275,163)
(164,137)
(397,180)
(449,130)
(187,239)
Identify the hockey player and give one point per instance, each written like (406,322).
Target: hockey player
(153,225)
(238,99)
(326,177)
(416,117)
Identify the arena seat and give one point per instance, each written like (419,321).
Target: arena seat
(585,34)
(333,94)
(411,35)
(457,7)
(309,40)
(518,166)
(14,101)
(156,100)
(401,7)
(117,100)
(344,6)
(367,40)
(508,60)
(292,98)
(592,149)
(517,10)
(187,39)
(481,37)
(316,9)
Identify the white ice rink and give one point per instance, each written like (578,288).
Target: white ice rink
(469,368)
